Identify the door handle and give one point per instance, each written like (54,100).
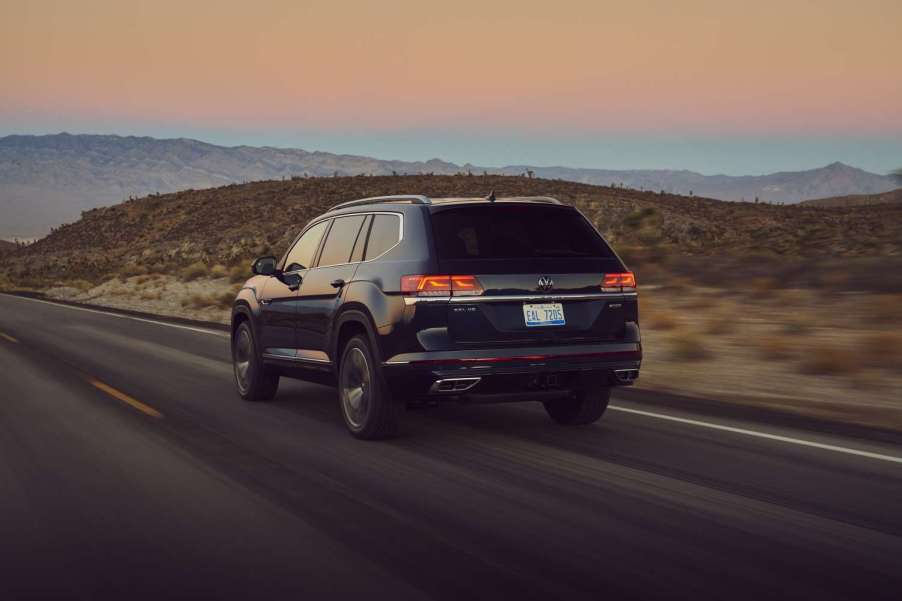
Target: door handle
(338,283)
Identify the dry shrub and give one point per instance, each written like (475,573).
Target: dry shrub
(662,320)
(776,347)
(148,295)
(83,285)
(225,300)
(827,360)
(882,349)
(193,272)
(219,271)
(131,270)
(688,346)
(238,274)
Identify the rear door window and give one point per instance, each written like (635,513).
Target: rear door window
(340,240)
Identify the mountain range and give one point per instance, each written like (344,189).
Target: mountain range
(49,180)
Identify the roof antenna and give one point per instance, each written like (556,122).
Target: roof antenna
(491,196)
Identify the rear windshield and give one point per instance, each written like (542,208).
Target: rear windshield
(530,237)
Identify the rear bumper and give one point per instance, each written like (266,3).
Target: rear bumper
(518,372)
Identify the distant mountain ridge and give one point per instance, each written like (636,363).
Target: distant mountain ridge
(49,180)
(857,200)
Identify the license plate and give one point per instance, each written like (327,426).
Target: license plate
(544,314)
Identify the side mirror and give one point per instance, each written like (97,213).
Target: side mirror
(264,266)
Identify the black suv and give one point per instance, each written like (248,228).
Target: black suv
(402,300)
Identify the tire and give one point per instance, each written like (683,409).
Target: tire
(367,407)
(585,405)
(253,380)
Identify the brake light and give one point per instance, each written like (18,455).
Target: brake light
(619,282)
(441,285)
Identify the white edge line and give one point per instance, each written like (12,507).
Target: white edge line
(786,439)
(122,316)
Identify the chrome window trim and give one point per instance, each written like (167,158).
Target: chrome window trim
(364,213)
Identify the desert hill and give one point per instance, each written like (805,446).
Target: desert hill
(855,200)
(48,180)
(232,224)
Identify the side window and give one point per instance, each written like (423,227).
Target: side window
(301,254)
(340,240)
(357,253)
(384,233)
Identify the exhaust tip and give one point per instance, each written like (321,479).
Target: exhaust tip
(626,376)
(453,385)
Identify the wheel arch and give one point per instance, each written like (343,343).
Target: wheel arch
(350,322)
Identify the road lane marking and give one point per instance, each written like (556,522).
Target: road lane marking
(8,338)
(744,432)
(116,394)
(122,316)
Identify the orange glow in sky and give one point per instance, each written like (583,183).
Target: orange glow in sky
(692,65)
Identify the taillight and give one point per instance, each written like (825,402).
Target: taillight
(619,282)
(441,285)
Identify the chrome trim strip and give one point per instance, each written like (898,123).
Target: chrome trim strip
(298,359)
(412,300)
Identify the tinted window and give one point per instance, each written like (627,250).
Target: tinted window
(301,255)
(340,240)
(384,233)
(515,232)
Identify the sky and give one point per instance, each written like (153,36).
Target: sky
(715,86)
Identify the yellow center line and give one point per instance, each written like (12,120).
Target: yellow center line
(8,338)
(116,394)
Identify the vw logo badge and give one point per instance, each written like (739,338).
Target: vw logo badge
(545,283)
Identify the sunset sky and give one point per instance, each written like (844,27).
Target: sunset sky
(715,86)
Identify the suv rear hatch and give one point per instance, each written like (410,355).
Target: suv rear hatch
(541,268)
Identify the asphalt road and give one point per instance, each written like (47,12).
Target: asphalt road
(129,468)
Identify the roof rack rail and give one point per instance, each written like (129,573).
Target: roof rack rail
(548,199)
(411,198)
